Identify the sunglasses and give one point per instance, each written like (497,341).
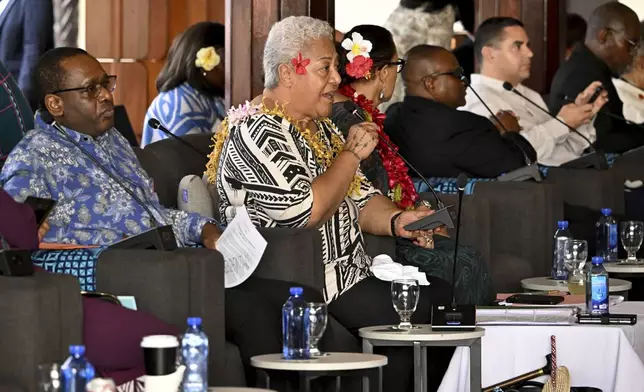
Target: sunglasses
(458,73)
(633,46)
(93,90)
(400,64)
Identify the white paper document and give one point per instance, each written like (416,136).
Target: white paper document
(242,247)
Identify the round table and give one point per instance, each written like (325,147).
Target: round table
(422,337)
(624,268)
(544,283)
(335,364)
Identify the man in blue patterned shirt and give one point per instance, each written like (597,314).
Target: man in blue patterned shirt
(93,208)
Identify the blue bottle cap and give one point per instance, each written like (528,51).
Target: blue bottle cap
(606,211)
(76,350)
(598,260)
(562,225)
(194,321)
(296,290)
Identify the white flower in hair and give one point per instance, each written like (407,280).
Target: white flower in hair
(357,46)
(207,58)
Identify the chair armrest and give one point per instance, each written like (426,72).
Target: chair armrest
(172,286)
(293,255)
(41,316)
(380,245)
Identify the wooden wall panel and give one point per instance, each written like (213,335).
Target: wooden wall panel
(509,8)
(158,40)
(323,9)
(131,90)
(99,33)
(136,29)
(533,16)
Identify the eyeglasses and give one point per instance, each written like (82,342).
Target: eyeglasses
(458,73)
(93,90)
(400,64)
(633,46)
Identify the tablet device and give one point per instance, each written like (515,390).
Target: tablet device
(42,207)
(439,218)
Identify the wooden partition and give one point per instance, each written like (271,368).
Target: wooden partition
(545,22)
(132,37)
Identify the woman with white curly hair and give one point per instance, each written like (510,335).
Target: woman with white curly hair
(284,160)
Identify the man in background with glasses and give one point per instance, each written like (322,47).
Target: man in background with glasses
(502,49)
(438,139)
(612,41)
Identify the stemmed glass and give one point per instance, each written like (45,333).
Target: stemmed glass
(576,254)
(317,325)
(404,296)
(49,378)
(632,234)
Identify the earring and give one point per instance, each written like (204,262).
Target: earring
(382,94)
(204,73)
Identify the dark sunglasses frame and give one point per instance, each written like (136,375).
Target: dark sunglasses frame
(111,79)
(458,73)
(400,64)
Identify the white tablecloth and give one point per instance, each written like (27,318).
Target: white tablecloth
(605,357)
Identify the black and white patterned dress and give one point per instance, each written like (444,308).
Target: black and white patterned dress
(268,166)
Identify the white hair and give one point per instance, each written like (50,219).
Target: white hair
(286,39)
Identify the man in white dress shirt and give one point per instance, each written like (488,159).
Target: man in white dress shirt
(502,49)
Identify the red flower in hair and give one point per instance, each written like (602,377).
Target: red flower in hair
(300,64)
(360,67)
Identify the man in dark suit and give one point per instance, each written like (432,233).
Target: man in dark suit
(26,33)
(440,140)
(611,43)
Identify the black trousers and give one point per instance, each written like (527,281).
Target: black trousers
(368,303)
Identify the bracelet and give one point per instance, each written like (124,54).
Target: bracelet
(354,154)
(392,224)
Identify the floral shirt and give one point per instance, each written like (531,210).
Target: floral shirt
(92,208)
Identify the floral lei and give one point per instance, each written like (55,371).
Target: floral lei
(325,154)
(402,190)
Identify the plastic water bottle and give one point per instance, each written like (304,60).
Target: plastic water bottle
(194,354)
(295,326)
(76,370)
(597,293)
(606,235)
(562,235)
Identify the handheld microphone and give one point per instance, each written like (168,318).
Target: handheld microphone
(455,317)
(156,124)
(158,237)
(440,217)
(530,170)
(508,86)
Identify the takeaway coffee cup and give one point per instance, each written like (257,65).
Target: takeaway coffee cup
(160,354)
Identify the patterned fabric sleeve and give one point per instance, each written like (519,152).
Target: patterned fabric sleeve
(188,225)
(265,160)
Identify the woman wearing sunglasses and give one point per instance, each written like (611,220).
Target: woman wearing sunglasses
(368,67)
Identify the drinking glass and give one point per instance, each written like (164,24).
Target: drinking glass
(576,253)
(632,234)
(404,295)
(317,325)
(49,378)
